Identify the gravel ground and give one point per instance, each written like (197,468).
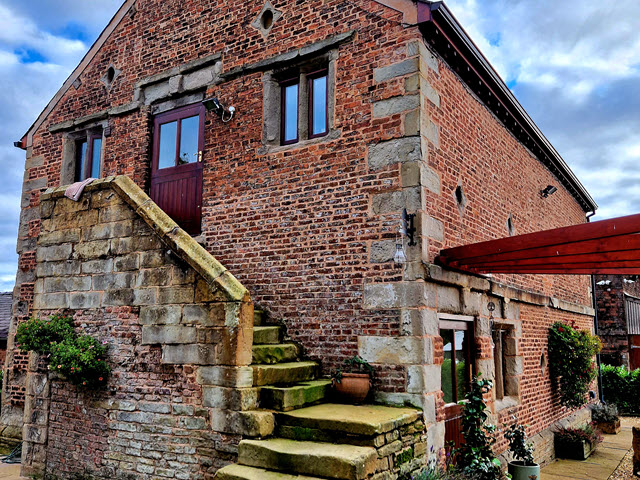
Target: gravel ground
(625,469)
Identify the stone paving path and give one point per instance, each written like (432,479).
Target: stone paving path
(9,472)
(601,464)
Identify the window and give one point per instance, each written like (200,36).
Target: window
(88,157)
(318,121)
(299,103)
(313,98)
(457,366)
(503,348)
(290,99)
(179,138)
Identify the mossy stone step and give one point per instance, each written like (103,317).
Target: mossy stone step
(266,335)
(242,472)
(344,462)
(258,317)
(366,420)
(296,396)
(278,353)
(283,373)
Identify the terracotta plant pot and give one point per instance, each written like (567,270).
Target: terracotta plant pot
(610,428)
(352,387)
(574,450)
(519,471)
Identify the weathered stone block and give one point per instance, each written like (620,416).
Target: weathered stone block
(54,269)
(66,284)
(176,294)
(92,250)
(251,424)
(382,74)
(161,315)
(54,253)
(419,322)
(98,266)
(423,378)
(84,300)
(240,377)
(167,335)
(50,301)
(399,295)
(126,263)
(118,297)
(59,237)
(396,351)
(239,399)
(399,150)
(395,105)
(113,281)
(104,231)
(145,296)
(393,202)
(382,251)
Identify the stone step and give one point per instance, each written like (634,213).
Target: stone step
(344,462)
(364,420)
(275,353)
(258,317)
(266,335)
(242,472)
(283,373)
(296,396)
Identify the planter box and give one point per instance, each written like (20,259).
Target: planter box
(573,450)
(610,428)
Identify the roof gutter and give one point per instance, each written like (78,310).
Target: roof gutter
(445,34)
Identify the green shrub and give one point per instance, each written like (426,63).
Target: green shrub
(571,360)
(621,387)
(78,358)
(517,438)
(38,335)
(604,413)
(589,433)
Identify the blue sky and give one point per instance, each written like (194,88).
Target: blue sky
(574,66)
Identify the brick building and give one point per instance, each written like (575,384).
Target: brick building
(618,304)
(350,120)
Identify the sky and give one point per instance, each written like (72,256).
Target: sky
(573,64)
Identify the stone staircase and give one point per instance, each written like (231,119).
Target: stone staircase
(313,440)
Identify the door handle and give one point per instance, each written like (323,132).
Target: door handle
(198,156)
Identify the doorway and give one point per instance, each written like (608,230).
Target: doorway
(176,167)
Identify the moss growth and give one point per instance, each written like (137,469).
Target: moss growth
(404,456)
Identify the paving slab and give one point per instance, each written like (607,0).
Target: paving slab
(352,419)
(600,465)
(10,472)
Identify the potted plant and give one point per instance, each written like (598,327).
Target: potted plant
(522,467)
(353,381)
(576,443)
(605,416)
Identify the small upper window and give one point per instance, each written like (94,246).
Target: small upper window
(290,98)
(88,157)
(304,107)
(318,101)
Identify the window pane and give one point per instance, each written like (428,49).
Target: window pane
(447,382)
(290,113)
(461,364)
(319,121)
(95,157)
(189,140)
(167,154)
(82,156)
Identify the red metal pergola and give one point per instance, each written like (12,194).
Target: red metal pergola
(604,247)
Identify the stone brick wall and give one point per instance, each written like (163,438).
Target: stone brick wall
(179,332)
(612,322)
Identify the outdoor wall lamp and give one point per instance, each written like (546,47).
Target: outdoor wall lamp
(548,190)
(213,105)
(409,228)
(400,258)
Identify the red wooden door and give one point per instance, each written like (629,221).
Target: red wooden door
(176,169)
(634,358)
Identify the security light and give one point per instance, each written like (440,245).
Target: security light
(548,190)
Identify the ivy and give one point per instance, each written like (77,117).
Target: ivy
(571,361)
(78,358)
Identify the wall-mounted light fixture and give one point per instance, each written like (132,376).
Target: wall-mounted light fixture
(409,228)
(213,105)
(400,258)
(548,190)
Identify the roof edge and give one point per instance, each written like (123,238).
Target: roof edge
(182,244)
(443,31)
(27,139)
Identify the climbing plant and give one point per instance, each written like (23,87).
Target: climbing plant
(475,457)
(571,362)
(78,358)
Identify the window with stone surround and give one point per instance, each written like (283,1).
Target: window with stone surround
(504,357)
(298,103)
(82,155)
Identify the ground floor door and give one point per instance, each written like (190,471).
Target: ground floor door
(634,354)
(176,168)
(457,334)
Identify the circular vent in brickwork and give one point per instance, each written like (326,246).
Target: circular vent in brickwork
(266,18)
